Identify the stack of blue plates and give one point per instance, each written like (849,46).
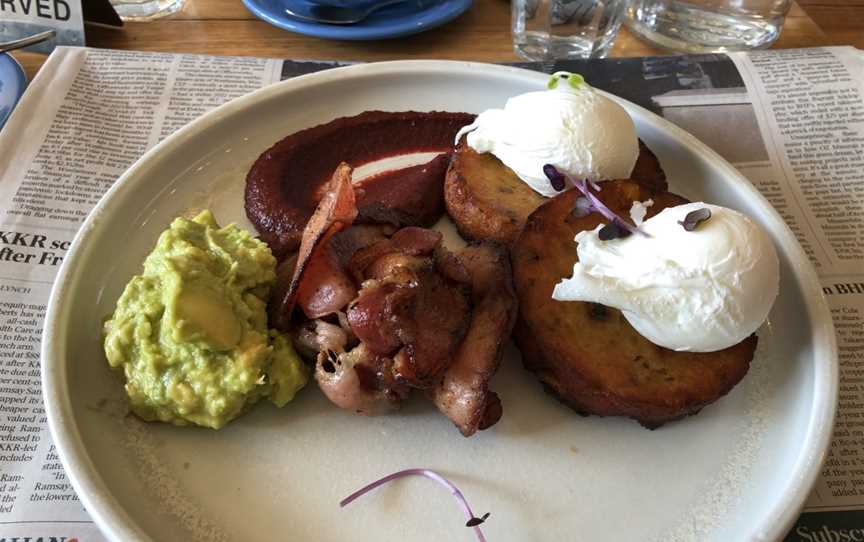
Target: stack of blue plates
(409,17)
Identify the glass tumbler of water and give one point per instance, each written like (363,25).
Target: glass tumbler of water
(145,10)
(708,26)
(562,29)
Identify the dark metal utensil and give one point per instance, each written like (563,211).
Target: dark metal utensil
(26,42)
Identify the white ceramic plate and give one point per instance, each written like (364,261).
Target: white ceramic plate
(738,471)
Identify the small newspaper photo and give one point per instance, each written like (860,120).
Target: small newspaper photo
(791,121)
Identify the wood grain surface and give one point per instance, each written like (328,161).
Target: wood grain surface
(842,21)
(226,27)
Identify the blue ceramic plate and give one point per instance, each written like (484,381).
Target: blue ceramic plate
(12,85)
(409,17)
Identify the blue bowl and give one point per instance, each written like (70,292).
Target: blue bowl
(409,17)
(13,81)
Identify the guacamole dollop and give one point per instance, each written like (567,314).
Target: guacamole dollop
(190,332)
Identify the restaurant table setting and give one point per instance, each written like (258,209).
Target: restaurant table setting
(107,146)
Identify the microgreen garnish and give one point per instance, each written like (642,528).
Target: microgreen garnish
(556,178)
(694,218)
(573,79)
(594,202)
(473,521)
(613,230)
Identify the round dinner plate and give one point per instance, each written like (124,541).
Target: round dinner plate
(409,17)
(13,82)
(740,470)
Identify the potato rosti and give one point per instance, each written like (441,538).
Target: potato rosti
(488,201)
(587,354)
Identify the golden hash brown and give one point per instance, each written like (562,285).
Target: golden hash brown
(485,198)
(587,354)
(488,201)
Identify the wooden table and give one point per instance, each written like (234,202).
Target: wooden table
(226,27)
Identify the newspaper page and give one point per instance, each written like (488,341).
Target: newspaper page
(85,118)
(91,113)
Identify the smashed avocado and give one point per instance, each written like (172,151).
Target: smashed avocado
(190,332)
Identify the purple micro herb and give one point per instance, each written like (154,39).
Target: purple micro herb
(473,521)
(556,178)
(595,203)
(613,230)
(694,218)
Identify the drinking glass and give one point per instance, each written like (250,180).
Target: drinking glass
(145,10)
(562,29)
(708,26)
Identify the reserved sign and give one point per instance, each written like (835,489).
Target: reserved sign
(22,18)
(46,9)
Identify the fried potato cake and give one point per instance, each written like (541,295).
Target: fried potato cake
(488,201)
(587,354)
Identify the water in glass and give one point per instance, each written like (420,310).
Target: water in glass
(143,10)
(702,26)
(561,29)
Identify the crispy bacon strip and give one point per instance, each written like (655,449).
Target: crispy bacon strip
(375,260)
(463,394)
(432,332)
(316,336)
(416,322)
(376,314)
(336,211)
(327,286)
(359,380)
(408,308)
